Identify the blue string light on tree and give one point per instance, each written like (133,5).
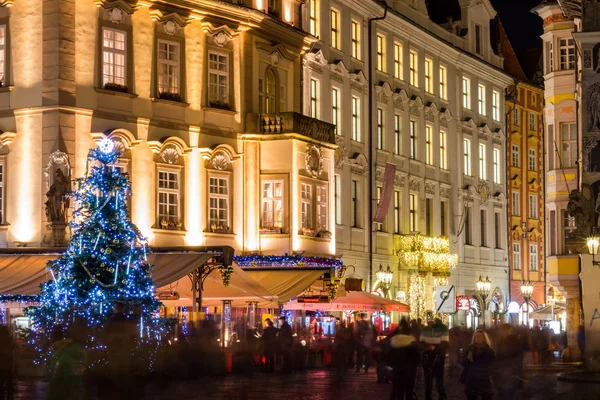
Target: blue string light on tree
(286,261)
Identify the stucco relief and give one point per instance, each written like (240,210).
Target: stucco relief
(400,180)
(341,153)
(593,107)
(414,185)
(590,141)
(220,161)
(415,106)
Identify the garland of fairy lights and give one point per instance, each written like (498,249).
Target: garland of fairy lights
(286,261)
(427,253)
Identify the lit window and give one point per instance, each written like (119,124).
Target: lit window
(550,66)
(396,211)
(313,206)
(2,193)
(481,99)
(306,205)
(466,92)
(338,200)
(515,155)
(428,75)
(335,29)
(517,256)
(168,199)
(497,169)
(531,121)
(355,119)
(443,84)
(412,213)
(168,67)
(270,89)
(567,53)
(443,150)
(568,155)
(379,129)
(321,206)
(533,214)
(218,79)
(516,115)
(413,140)
(482,162)
(414,69)
(397,138)
(114,55)
(380,227)
(533,258)
(218,203)
(398,60)
(496,105)
(428,144)
(272,204)
(467,157)
(313,17)
(516,204)
(335,110)
(356,39)
(568,227)
(314,98)
(532,159)
(381,53)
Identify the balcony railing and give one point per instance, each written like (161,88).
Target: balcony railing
(290,122)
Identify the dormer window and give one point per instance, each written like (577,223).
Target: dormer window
(478,39)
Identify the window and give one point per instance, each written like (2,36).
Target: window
(282,106)
(550,66)
(338,199)
(429,217)
(482,162)
(3,58)
(531,121)
(397,134)
(467,157)
(2,194)
(443,83)
(321,206)
(568,228)
(443,214)
(413,140)
(533,259)
(355,119)
(261,95)
(497,169)
(481,99)
(270,87)
(567,53)
(313,204)
(443,150)
(515,155)
(114,55)
(314,98)
(313,17)
(306,205)
(379,129)
(533,206)
(466,92)
(396,211)
(428,144)
(381,53)
(356,39)
(379,226)
(335,109)
(412,213)
(468,234)
(483,227)
(272,204)
(497,230)
(428,75)
(414,69)
(168,67)
(168,198)
(516,114)
(532,159)
(496,105)
(218,202)
(218,78)
(517,256)
(355,203)
(335,29)
(398,61)
(516,204)
(569,145)
(478,40)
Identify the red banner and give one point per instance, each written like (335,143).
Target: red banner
(389,176)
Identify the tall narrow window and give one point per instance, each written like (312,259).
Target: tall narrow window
(567,53)
(516,114)
(443,83)
(483,227)
(306,205)
(218,79)
(168,67)
(335,29)
(568,155)
(398,61)
(313,18)
(481,99)
(428,144)
(381,53)
(270,88)
(467,157)
(396,211)
(397,138)
(533,258)
(532,159)
(338,199)
(355,119)
(468,221)
(218,203)
(3,57)
(550,66)
(443,150)
(414,68)
(497,229)
(429,217)
(515,155)
(2,193)
(466,92)
(569,227)
(272,204)
(379,226)
(516,204)
(168,198)
(355,28)
(428,75)
(321,206)
(478,40)
(379,129)
(496,105)
(261,95)
(482,162)
(443,218)
(412,213)
(533,206)
(355,203)
(335,109)
(114,56)
(314,98)
(531,121)
(517,256)
(497,169)
(413,140)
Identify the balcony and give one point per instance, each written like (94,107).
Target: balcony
(290,122)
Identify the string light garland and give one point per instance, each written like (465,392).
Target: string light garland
(286,261)
(20,298)
(430,254)
(416,296)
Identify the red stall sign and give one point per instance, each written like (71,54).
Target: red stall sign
(463,303)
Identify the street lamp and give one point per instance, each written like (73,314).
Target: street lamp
(385,276)
(483,288)
(527,292)
(592,244)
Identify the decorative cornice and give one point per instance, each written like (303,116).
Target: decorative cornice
(126,6)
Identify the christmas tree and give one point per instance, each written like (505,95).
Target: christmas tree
(106,261)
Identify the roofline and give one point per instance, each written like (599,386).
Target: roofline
(543,4)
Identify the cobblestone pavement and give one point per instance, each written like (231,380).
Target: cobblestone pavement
(541,384)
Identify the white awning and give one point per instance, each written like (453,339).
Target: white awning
(286,284)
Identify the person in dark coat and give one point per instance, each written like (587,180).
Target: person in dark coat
(403,356)
(479,366)
(286,341)
(509,363)
(270,345)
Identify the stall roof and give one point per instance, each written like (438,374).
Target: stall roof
(352,301)
(286,284)
(544,313)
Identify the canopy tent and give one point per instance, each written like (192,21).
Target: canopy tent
(286,284)
(544,313)
(352,301)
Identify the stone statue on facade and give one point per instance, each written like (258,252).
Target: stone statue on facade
(593,106)
(58,202)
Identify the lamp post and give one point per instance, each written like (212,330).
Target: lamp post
(592,244)
(483,288)
(527,292)
(385,277)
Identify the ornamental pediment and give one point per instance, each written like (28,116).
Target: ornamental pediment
(516,181)
(533,139)
(123,5)
(534,185)
(221,34)
(359,77)
(316,57)
(339,68)
(469,124)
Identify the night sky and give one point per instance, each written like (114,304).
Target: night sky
(522,26)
